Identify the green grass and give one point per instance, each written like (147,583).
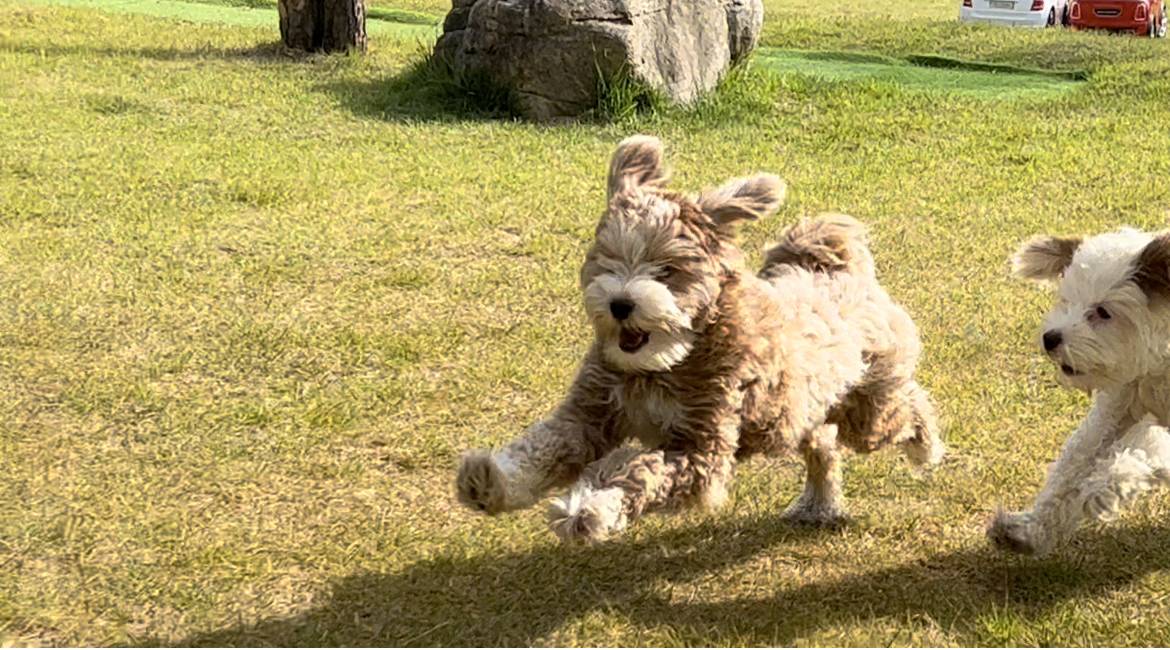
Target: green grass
(385,22)
(930,75)
(254,307)
(881,9)
(374,11)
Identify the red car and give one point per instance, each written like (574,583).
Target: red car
(1138,16)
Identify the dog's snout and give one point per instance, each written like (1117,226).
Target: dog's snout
(1052,339)
(621,309)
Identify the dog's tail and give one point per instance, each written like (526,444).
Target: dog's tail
(830,243)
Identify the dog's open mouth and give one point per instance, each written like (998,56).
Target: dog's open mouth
(631,341)
(1069,370)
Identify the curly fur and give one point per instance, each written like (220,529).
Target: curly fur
(1108,334)
(831,242)
(706,363)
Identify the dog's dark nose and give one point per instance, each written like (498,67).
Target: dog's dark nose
(621,309)
(1052,340)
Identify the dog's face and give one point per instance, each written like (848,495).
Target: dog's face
(1111,321)
(659,259)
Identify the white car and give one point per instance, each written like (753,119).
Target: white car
(1024,13)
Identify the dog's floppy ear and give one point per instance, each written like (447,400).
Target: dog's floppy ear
(1152,270)
(742,199)
(636,162)
(1045,258)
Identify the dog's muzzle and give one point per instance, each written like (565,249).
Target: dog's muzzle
(632,340)
(1069,370)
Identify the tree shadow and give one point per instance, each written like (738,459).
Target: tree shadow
(272,52)
(426,90)
(519,599)
(421,91)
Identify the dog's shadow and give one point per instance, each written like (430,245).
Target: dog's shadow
(521,598)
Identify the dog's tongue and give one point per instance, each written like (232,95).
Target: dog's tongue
(630,340)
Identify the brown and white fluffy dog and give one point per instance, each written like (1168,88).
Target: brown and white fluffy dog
(707,363)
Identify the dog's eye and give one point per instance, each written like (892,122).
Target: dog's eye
(665,272)
(1103,313)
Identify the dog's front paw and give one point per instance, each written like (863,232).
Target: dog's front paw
(1015,532)
(925,456)
(587,515)
(808,511)
(480,483)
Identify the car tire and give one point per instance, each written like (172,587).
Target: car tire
(1065,21)
(1159,31)
(1051,17)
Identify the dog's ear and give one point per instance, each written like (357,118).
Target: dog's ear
(1045,258)
(636,162)
(742,199)
(1152,269)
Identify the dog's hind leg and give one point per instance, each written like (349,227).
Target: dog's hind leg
(1136,464)
(822,502)
(889,407)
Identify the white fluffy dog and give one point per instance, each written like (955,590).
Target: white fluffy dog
(1108,334)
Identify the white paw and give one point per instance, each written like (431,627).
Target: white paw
(587,515)
(714,497)
(938,451)
(480,483)
(1015,532)
(925,455)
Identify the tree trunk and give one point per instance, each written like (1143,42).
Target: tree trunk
(323,25)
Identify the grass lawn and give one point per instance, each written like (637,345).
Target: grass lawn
(253,307)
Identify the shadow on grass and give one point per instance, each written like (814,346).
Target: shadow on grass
(273,52)
(420,92)
(520,598)
(429,89)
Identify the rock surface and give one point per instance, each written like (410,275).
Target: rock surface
(549,53)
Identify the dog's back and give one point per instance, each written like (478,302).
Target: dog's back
(831,243)
(830,255)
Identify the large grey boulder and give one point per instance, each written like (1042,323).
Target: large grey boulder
(549,53)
